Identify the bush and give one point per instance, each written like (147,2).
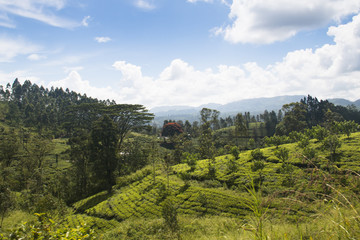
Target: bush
(46,228)
(282,154)
(235,152)
(169,213)
(257,154)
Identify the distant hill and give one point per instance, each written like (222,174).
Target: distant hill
(254,106)
(344,102)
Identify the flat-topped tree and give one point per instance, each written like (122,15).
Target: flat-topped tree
(128,117)
(81,116)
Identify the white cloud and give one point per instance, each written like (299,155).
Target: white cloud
(85,21)
(328,71)
(144,4)
(71,69)
(5,21)
(264,22)
(36,57)
(102,39)
(41,10)
(11,48)
(21,75)
(75,83)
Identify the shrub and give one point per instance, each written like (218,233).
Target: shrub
(282,154)
(169,213)
(332,143)
(257,154)
(46,228)
(235,152)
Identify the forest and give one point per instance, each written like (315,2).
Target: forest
(75,167)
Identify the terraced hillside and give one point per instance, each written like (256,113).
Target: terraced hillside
(295,191)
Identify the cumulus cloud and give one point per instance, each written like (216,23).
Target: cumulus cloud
(325,72)
(102,39)
(265,22)
(40,10)
(75,83)
(11,48)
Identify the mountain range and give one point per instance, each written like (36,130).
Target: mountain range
(254,106)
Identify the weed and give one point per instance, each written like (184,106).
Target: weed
(257,205)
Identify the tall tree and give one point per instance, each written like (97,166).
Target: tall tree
(294,118)
(240,126)
(207,148)
(103,147)
(80,157)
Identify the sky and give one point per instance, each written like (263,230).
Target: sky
(183,52)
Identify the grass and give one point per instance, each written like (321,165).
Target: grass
(322,226)
(15,218)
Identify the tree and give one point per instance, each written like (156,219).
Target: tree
(188,127)
(240,125)
(282,154)
(303,142)
(235,152)
(80,157)
(37,148)
(257,154)
(276,140)
(128,117)
(9,146)
(103,145)
(82,116)
(294,119)
(170,129)
(271,121)
(315,110)
(135,154)
(348,127)
(320,133)
(207,148)
(258,163)
(331,121)
(332,143)
(6,201)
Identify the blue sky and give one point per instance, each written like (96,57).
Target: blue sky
(183,52)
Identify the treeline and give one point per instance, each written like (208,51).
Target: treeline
(306,113)
(30,105)
(218,135)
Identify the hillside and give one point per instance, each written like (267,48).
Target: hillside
(73,167)
(298,193)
